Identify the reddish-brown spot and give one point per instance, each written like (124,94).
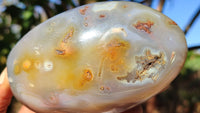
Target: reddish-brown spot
(144,26)
(86,24)
(172,22)
(102,88)
(52,100)
(107,88)
(65,50)
(83,11)
(68,35)
(60,52)
(102,16)
(125,6)
(87,75)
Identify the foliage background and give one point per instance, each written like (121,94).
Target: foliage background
(17,17)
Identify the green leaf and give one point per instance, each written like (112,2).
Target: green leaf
(27,15)
(193,61)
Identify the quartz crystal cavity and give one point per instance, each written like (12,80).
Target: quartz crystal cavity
(100,57)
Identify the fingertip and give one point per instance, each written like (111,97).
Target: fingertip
(6,94)
(2,76)
(24,109)
(4,85)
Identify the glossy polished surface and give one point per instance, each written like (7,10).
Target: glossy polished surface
(100,57)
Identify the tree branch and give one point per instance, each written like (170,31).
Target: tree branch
(194,47)
(160,6)
(191,23)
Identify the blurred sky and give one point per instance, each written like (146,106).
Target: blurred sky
(182,11)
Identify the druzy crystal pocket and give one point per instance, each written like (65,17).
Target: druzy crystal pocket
(100,57)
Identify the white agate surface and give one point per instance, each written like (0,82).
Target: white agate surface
(100,57)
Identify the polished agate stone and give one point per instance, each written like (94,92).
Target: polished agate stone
(101,57)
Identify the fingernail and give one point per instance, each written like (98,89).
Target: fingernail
(2,77)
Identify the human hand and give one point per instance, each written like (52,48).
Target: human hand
(6,96)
